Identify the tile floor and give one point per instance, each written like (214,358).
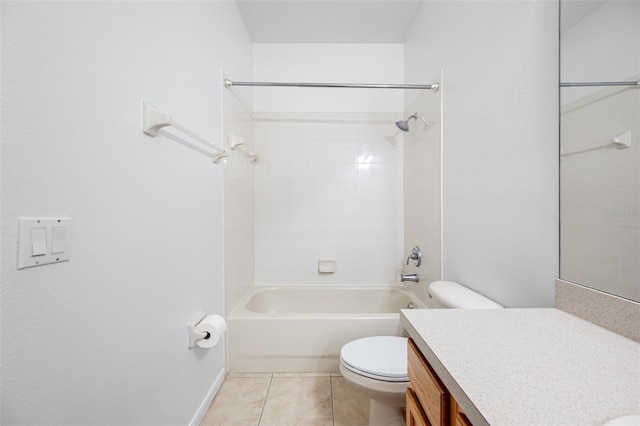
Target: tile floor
(287,399)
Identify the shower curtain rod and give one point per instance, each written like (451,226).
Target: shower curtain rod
(434,86)
(602,83)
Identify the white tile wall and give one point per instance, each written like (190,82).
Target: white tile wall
(422,190)
(327,187)
(239,247)
(600,237)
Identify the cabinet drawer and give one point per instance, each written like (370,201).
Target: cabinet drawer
(430,391)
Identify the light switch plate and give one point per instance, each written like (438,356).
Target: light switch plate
(48,251)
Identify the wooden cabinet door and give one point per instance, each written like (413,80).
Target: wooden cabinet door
(458,418)
(430,391)
(415,414)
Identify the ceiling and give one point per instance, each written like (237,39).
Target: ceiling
(329,21)
(573,11)
(353,21)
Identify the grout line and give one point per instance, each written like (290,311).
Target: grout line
(333,408)
(265,399)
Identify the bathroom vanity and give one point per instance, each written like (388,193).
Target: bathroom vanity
(517,366)
(428,401)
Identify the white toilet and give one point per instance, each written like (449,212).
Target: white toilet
(377,365)
(451,295)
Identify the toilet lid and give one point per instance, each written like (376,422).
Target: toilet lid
(383,357)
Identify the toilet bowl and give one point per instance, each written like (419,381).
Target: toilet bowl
(377,365)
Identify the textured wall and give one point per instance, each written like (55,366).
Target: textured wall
(101,339)
(500,143)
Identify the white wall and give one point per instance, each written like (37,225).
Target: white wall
(315,198)
(322,63)
(500,145)
(101,339)
(604,46)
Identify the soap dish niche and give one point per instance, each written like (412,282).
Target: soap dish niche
(326,266)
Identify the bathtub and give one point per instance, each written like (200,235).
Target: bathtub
(301,329)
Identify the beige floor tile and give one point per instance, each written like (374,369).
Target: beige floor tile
(298,401)
(235,375)
(239,402)
(281,375)
(350,406)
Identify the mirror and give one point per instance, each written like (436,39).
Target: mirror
(600,145)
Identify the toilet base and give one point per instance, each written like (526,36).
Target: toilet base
(384,415)
(386,399)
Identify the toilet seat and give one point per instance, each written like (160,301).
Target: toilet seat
(379,357)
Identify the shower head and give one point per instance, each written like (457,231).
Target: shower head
(404,124)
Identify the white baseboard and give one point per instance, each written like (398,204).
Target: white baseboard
(197,418)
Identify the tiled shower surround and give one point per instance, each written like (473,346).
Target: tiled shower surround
(238,202)
(422,193)
(327,187)
(600,191)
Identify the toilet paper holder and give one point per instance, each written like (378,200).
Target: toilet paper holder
(193,334)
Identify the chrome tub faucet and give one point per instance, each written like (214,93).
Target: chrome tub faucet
(409,277)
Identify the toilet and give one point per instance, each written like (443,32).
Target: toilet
(451,295)
(377,365)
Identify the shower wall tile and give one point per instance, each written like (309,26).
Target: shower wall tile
(238,204)
(422,192)
(600,192)
(327,187)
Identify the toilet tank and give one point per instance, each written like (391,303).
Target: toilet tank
(451,295)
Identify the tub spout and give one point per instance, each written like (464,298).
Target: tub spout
(409,277)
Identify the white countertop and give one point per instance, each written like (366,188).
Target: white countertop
(529,366)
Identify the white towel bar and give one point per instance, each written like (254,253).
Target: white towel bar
(154,122)
(237,144)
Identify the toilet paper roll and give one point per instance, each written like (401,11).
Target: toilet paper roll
(216,326)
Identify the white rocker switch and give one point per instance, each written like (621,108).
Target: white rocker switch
(43,240)
(38,241)
(59,240)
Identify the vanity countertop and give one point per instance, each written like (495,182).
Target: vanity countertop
(529,366)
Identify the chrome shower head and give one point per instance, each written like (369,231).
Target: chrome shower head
(404,124)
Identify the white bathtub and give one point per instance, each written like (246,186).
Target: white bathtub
(301,329)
